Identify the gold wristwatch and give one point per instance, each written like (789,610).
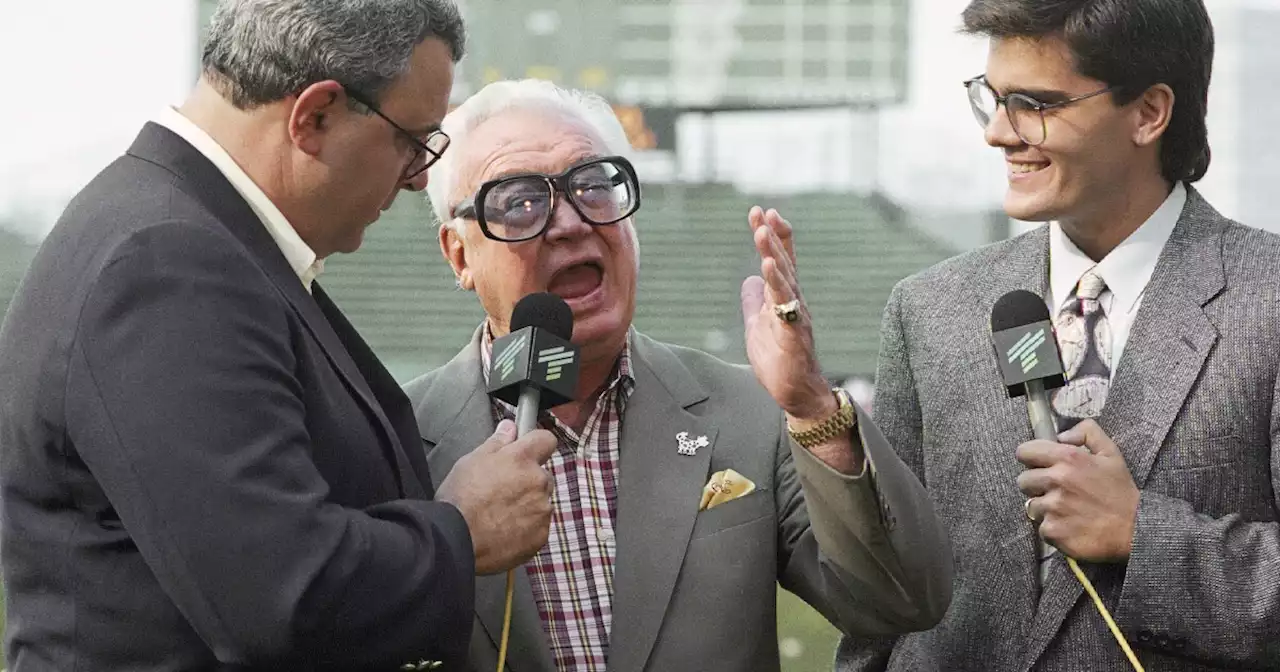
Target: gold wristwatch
(836,424)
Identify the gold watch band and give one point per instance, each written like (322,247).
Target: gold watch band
(841,421)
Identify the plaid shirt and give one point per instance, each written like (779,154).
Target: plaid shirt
(572,576)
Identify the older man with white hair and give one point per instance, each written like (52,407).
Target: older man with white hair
(642,571)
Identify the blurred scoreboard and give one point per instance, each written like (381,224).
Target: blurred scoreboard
(691,54)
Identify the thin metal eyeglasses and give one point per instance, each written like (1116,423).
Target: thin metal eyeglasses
(1026,114)
(432,146)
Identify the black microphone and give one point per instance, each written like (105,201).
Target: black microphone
(1027,350)
(535,367)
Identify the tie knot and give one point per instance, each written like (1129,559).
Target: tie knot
(1090,286)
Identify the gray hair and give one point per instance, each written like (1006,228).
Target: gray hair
(524,94)
(261,51)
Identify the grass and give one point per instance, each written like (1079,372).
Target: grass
(806,640)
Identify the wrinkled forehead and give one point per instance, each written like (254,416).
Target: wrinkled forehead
(523,140)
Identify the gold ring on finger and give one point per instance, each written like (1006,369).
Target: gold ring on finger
(789,311)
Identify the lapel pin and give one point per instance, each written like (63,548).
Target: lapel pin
(687,446)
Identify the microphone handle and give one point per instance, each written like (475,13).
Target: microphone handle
(1042,427)
(1041,414)
(527,409)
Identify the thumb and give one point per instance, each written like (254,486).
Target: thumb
(752,299)
(504,434)
(539,445)
(1089,434)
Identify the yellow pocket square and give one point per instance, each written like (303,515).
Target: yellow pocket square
(725,486)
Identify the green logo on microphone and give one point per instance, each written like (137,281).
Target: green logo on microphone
(1025,350)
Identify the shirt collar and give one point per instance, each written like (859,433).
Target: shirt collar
(621,377)
(300,256)
(1127,269)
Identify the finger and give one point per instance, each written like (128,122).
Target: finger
(1034,509)
(1039,453)
(785,266)
(771,246)
(1035,482)
(755,218)
(753,290)
(779,290)
(784,231)
(538,445)
(1089,434)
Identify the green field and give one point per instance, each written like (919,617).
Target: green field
(806,639)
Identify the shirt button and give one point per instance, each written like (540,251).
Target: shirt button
(605,535)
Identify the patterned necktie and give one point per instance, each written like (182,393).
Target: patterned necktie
(1084,336)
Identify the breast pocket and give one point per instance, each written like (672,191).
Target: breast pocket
(749,508)
(1217,476)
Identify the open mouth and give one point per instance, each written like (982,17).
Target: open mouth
(577,281)
(1026,168)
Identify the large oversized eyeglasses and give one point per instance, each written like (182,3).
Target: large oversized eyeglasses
(1026,114)
(426,151)
(520,207)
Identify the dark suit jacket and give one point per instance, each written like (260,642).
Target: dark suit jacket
(203,466)
(696,590)
(1195,412)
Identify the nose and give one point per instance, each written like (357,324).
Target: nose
(416,183)
(565,223)
(999,131)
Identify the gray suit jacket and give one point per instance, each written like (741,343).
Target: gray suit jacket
(697,590)
(1193,408)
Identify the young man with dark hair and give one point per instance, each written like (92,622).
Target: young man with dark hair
(1167,315)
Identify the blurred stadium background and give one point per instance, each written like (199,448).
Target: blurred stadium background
(846,115)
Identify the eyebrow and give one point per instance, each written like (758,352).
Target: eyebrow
(1041,95)
(524,171)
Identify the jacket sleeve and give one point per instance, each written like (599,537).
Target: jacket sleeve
(897,410)
(868,550)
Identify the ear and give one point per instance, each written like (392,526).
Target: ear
(455,252)
(313,114)
(1154,111)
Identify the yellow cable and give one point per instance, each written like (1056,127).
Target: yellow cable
(506,620)
(1106,615)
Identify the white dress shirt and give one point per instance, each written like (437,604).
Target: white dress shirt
(302,259)
(1127,269)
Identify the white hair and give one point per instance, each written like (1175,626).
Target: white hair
(503,96)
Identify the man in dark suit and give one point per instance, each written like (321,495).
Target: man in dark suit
(1168,317)
(204,466)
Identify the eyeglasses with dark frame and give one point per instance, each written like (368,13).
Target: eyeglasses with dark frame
(432,146)
(517,208)
(1018,107)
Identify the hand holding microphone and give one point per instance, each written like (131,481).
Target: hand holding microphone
(500,487)
(1079,499)
(504,494)
(1080,491)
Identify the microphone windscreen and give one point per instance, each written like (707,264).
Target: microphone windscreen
(543,310)
(1018,308)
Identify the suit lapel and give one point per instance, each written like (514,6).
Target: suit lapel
(202,181)
(388,400)
(458,419)
(1167,348)
(1169,341)
(659,491)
